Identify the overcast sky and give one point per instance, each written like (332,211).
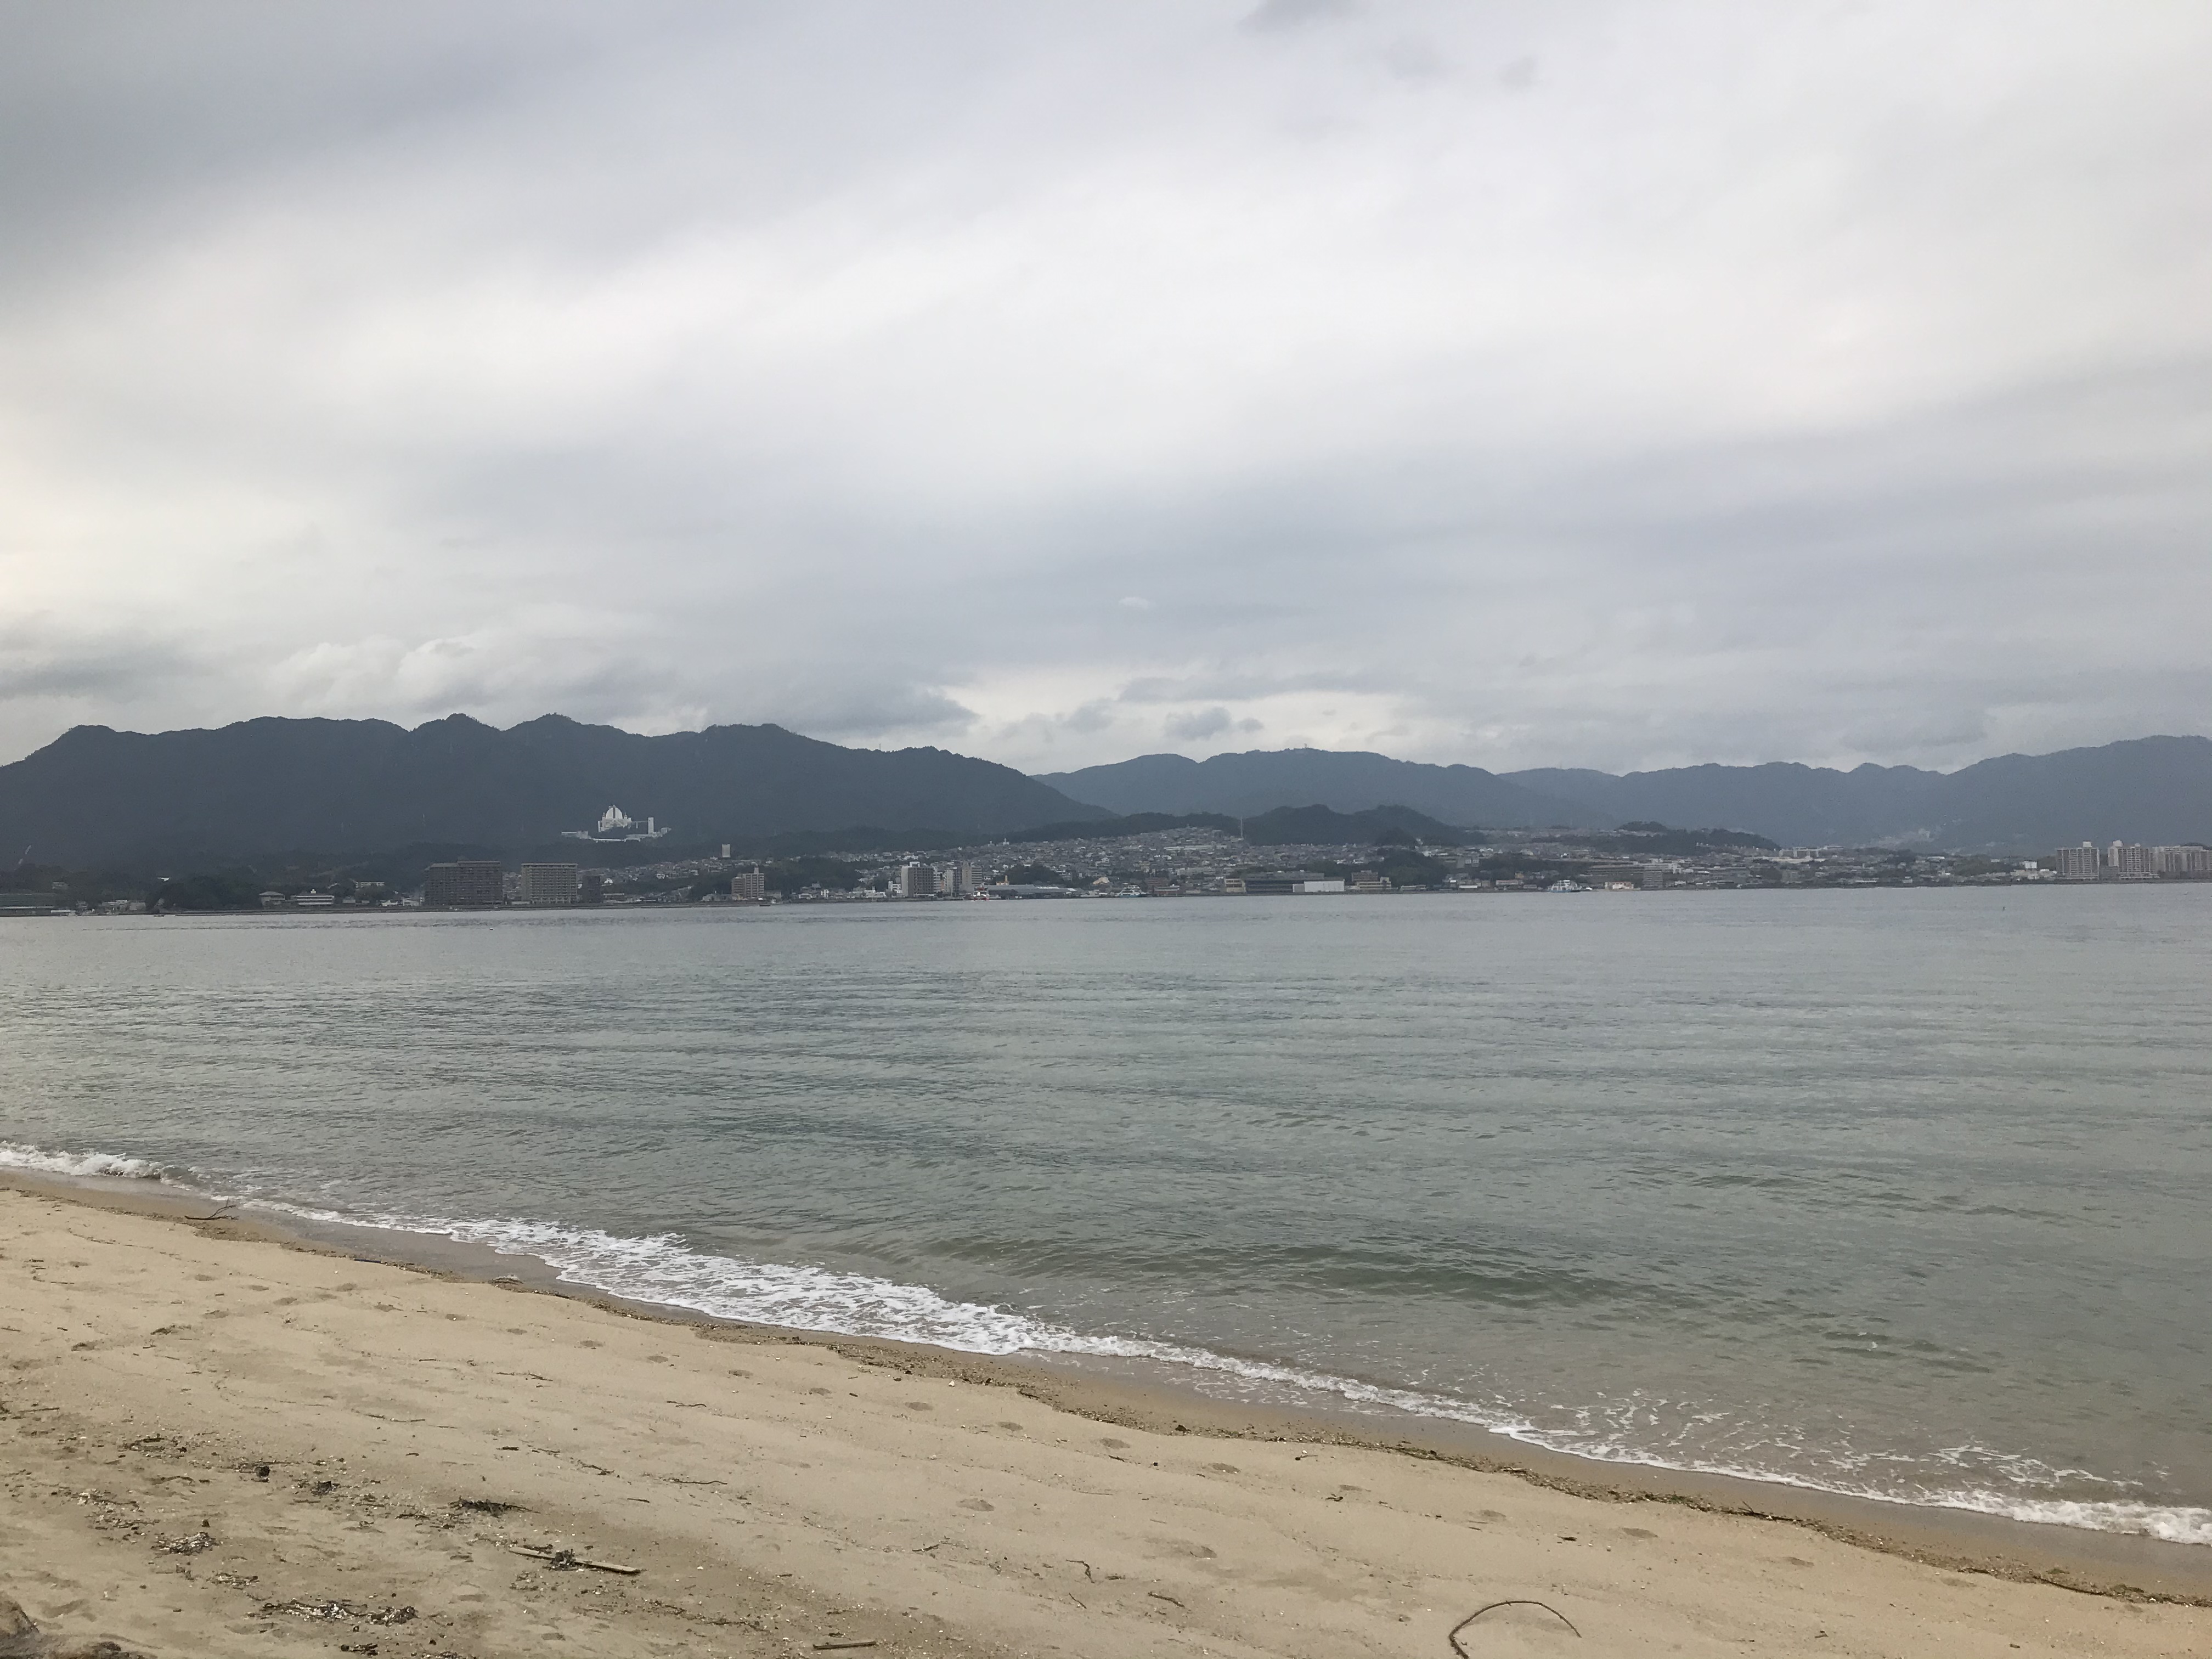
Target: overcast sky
(1610,385)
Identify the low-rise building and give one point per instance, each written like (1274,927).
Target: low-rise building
(1276,882)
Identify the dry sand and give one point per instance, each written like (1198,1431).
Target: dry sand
(212,1441)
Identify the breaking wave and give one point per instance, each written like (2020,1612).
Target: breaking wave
(14,1156)
(666,1272)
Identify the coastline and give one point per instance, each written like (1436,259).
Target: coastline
(2124,1566)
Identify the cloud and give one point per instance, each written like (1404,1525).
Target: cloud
(1519,384)
(45,661)
(1197,726)
(1273,16)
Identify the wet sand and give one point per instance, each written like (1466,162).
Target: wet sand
(216,1439)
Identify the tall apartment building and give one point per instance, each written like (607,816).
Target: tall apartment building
(464,884)
(916,881)
(2079,863)
(958,881)
(749,885)
(547,885)
(2129,863)
(2125,861)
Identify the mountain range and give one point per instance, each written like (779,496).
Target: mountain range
(95,796)
(2147,789)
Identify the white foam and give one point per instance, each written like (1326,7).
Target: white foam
(17,1156)
(665,1271)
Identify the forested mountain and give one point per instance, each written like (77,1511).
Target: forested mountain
(95,794)
(2146,789)
(1246,784)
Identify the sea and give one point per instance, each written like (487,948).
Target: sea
(1899,1193)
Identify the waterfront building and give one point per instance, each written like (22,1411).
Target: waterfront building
(2187,861)
(749,886)
(958,881)
(2127,862)
(547,885)
(1284,881)
(915,881)
(2079,863)
(464,884)
(312,900)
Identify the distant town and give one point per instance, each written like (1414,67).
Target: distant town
(1182,862)
(1199,855)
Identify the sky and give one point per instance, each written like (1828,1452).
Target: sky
(1557,383)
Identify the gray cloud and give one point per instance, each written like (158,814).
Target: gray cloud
(42,660)
(1273,16)
(1746,384)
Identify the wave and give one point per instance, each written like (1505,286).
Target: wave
(666,1272)
(15,1155)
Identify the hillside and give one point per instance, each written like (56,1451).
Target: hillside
(1246,785)
(2147,789)
(95,794)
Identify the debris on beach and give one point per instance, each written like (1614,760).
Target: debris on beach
(337,1612)
(21,1639)
(563,1560)
(1508,1602)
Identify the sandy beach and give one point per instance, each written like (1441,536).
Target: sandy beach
(216,1441)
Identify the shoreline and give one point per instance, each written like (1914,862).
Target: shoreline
(2129,1567)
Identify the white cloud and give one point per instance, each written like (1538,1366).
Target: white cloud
(1608,384)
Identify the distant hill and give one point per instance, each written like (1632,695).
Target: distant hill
(2143,789)
(2147,789)
(1246,785)
(1310,826)
(96,795)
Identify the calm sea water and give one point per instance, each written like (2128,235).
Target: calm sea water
(1894,1193)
